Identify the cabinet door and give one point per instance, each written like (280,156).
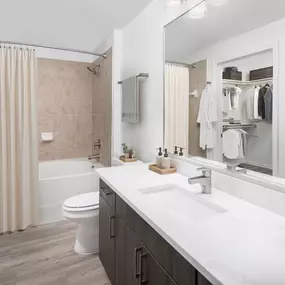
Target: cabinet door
(201,280)
(151,273)
(127,251)
(106,238)
(107,193)
(182,272)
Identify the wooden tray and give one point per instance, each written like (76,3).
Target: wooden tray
(160,171)
(122,158)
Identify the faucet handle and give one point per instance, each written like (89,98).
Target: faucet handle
(207,172)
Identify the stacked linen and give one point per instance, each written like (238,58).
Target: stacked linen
(234,144)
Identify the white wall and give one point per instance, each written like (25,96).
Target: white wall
(143,51)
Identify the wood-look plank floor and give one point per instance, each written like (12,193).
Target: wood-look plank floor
(44,256)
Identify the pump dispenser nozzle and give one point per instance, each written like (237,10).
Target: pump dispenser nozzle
(165,153)
(181,151)
(160,151)
(176,150)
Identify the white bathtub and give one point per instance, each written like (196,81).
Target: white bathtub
(60,180)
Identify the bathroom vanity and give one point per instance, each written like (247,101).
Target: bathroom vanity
(160,230)
(132,252)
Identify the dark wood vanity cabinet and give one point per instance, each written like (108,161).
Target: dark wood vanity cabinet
(127,251)
(201,280)
(133,253)
(107,238)
(151,272)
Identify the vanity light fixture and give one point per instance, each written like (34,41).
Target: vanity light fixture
(217,3)
(198,12)
(173,3)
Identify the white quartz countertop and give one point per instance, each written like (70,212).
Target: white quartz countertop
(245,245)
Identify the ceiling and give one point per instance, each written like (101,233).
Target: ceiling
(219,24)
(79,24)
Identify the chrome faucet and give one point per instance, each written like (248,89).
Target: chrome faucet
(205,180)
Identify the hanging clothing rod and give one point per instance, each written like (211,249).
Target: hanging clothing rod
(144,75)
(55,47)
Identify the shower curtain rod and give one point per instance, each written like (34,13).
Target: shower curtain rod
(54,47)
(178,63)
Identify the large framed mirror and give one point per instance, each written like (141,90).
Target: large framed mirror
(223,87)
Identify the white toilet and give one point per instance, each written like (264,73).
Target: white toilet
(84,210)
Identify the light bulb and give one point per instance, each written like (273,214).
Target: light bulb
(217,3)
(198,12)
(173,3)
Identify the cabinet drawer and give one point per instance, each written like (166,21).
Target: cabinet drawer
(107,193)
(174,264)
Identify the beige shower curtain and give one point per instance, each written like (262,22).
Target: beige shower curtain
(18,139)
(176,106)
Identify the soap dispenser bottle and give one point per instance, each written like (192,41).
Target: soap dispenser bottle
(159,158)
(165,160)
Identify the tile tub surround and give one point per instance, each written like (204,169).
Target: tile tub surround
(242,246)
(102,107)
(65,108)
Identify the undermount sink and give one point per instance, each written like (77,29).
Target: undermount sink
(180,202)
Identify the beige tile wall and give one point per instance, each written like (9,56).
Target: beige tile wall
(102,108)
(65,108)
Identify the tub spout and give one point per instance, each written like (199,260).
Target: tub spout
(95,156)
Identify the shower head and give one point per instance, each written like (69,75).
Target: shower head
(94,70)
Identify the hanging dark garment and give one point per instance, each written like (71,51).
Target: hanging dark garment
(268,99)
(261,101)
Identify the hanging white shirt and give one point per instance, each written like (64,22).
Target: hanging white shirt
(255,104)
(207,116)
(235,97)
(249,95)
(227,106)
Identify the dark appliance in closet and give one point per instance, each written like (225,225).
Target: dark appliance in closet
(261,73)
(232,73)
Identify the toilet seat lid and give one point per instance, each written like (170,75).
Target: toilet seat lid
(83,200)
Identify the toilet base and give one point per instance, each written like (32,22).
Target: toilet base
(87,239)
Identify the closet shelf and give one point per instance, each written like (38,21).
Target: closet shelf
(239,126)
(253,82)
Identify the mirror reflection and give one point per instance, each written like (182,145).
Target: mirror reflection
(221,83)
